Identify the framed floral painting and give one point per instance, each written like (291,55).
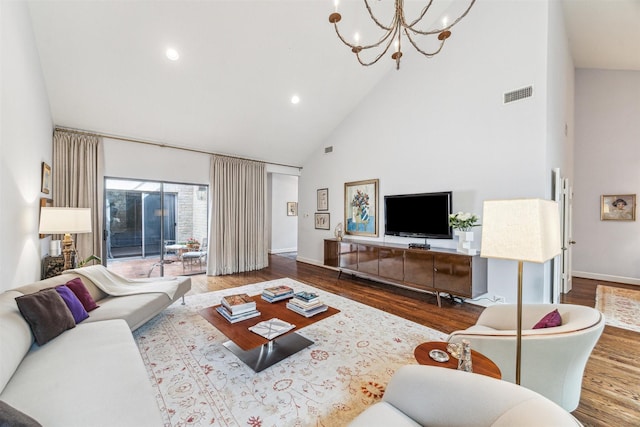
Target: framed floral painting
(361,208)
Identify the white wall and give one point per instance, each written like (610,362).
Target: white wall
(284,228)
(607,162)
(25,142)
(440,124)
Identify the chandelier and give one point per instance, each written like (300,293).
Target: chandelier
(394,30)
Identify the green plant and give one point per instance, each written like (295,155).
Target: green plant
(89,259)
(192,241)
(463,221)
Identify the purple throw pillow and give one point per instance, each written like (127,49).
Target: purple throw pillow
(74,304)
(550,320)
(81,291)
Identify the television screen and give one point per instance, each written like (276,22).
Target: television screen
(423,215)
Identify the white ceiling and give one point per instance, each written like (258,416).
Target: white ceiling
(240,63)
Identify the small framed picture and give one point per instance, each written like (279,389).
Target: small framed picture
(292,208)
(323,199)
(46,178)
(322,221)
(618,207)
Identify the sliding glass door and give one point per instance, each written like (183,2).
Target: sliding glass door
(150,228)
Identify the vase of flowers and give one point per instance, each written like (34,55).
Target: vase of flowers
(462,223)
(193,244)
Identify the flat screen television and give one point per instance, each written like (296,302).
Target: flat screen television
(424,215)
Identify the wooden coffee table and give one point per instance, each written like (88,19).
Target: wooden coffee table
(480,363)
(253,349)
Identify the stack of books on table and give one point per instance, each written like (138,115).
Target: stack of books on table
(277,293)
(307,304)
(237,307)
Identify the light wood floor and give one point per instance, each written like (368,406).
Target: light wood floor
(611,384)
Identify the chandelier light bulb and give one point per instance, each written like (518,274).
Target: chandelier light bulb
(356,37)
(295,99)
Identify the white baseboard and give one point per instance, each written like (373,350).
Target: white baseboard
(606,277)
(282,251)
(311,261)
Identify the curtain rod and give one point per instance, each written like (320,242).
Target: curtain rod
(157,144)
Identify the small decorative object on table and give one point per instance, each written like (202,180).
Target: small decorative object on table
(462,223)
(464,362)
(339,232)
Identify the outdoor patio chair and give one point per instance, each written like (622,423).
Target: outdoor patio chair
(190,258)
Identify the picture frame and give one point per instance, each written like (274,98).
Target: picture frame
(323,199)
(361,208)
(322,221)
(46,178)
(292,208)
(48,203)
(618,207)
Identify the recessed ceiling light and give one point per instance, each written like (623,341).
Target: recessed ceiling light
(172,54)
(295,99)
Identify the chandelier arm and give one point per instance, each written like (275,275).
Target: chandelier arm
(432,32)
(342,38)
(419,18)
(374,19)
(427,54)
(366,64)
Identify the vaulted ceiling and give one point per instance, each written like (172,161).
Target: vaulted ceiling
(240,63)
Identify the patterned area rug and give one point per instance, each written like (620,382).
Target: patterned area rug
(621,307)
(198,382)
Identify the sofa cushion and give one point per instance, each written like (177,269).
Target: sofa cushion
(91,375)
(73,303)
(550,320)
(11,417)
(46,313)
(80,290)
(15,336)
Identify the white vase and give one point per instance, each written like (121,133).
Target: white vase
(465,238)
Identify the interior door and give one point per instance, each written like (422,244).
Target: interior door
(567,235)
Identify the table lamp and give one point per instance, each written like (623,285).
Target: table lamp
(65,221)
(521,230)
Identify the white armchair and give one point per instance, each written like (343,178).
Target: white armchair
(420,395)
(553,359)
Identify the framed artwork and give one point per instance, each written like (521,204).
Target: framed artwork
(323,199)
(46,178)
(618,207)
(44,202)
(292,208)
(361,208)
(322,221)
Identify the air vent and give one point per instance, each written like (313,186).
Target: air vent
(518,94)
(328,150)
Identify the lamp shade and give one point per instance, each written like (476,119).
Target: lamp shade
(65,220)
(520,229)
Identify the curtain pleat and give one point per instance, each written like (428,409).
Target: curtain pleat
(77,181)
(238,238)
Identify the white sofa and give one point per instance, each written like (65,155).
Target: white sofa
(553,359)
(90,375)
(420,395)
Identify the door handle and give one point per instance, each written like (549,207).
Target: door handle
(572,242)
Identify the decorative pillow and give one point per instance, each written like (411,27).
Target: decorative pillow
(81,291)
(10,416)
(550,320)
(73,303)
(46,313)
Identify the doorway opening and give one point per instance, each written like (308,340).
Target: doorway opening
(155,228)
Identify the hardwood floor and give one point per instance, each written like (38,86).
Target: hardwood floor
(611,383)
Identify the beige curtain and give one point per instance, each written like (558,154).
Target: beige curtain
(78,178)
(238,236)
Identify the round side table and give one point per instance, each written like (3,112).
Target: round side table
(481,364)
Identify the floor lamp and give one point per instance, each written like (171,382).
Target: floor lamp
(65,221)
(521,230)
